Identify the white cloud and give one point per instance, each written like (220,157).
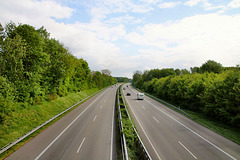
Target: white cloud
(206,5)
(141,8)
(169,4)
(36,10)
(151,1)
(91,41)
(105,7)
(192,3)
(234,4)
(123,20)
(195,40)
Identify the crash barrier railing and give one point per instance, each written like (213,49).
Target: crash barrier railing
(177,108)
(6,147)
(143,148)
(123,140)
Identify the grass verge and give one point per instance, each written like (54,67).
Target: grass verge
(24,119)
(231,133)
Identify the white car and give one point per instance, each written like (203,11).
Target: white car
(140,96)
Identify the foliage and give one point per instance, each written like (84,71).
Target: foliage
(214,92)
(24,119)
(106,72)
(123,79)
(35,67)
(211,66)
(134,149)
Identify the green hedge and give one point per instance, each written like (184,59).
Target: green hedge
(215,95)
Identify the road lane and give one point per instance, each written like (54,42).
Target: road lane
(87,132)
(175,136)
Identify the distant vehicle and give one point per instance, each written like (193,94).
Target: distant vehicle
(128,94)
(140,96)
(123,88)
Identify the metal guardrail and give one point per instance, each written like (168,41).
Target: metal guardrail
(144,150)
(149,95)
(123,140)
(6,147)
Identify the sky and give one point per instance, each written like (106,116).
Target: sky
(128,35)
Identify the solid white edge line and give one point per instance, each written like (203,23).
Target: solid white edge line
(112,134)
(81,145)
(187,149)
(145,133)
(155,119)
(65,129)
(193,132)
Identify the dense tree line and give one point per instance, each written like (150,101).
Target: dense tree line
(123,79)
(210,89)
(35,67)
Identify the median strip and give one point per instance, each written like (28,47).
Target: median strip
(132,145)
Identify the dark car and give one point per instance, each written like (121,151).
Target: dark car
(128,94)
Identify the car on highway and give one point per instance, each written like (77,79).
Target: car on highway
(128,94)
(140,96)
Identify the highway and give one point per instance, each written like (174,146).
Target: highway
(168,135)
(87,132)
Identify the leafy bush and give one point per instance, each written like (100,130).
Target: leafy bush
(217,95)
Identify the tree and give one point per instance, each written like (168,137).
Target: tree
(211,66)
(55,69)
(38,66)
(2,34)
(123,79)
(184,71)
(195,70)
(98,79)
(43,32)
(9,28)
(137,77)
(12,57)
(146,76)
(106,72)
(166,72)
(178,72)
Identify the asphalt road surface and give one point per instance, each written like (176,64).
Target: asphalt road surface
(87,132)
(168,135)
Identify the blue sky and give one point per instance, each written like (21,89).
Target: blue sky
(128,35)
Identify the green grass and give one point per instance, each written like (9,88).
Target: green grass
(24,119)
(227,131)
